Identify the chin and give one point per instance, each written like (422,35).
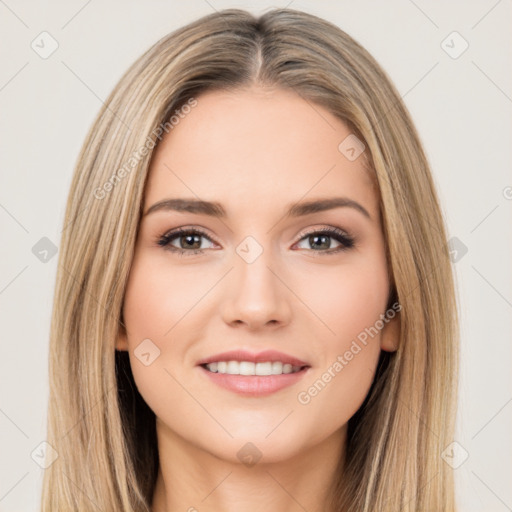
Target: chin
(253,446)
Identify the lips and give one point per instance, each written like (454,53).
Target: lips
(253,374)
(270,356)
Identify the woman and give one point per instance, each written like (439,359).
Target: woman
(255,305)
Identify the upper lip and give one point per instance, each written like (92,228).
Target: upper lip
(260,357)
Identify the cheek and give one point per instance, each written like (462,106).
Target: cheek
(334,393)
(157,299)
(161,310)
(152,307)
(348,302)
(345,302)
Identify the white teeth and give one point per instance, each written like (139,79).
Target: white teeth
(287,368)
(277,368)
(233,368)
(264,368)
(249,368)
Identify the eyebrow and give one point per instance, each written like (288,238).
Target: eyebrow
(215,209)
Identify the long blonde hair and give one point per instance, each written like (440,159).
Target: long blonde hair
(100,426)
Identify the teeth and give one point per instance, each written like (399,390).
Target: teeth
(233,368)
(263,368)
(287,368)
(248,368)
(277,368)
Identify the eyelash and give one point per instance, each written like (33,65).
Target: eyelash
(347,242)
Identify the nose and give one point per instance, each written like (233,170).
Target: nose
(257,296)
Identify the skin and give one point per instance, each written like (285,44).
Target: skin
(255,151)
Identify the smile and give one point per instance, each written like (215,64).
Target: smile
(250,368)
(248,373)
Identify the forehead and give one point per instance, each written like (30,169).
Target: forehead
(257,146)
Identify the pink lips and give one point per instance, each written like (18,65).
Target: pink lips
(261,357)
(254,385)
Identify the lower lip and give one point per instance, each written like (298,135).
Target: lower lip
(255,385)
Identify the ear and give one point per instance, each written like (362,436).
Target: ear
(390,334)
(122,338)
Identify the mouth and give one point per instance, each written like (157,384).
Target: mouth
(250,368)
(250,374)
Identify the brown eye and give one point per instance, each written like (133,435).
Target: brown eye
(189,241)
(321,241)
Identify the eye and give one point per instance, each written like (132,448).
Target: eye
(188,241)
(321,239)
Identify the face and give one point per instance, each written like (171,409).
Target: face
(279,290)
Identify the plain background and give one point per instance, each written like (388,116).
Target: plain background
(461,107)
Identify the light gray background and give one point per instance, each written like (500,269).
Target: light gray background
(461,106)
